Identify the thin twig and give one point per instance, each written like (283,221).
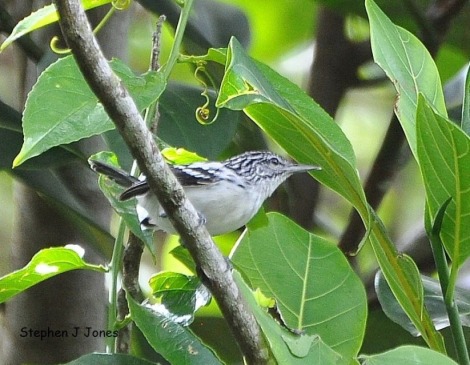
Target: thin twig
(154,111)
(121,108)
(116,264)
(156,44)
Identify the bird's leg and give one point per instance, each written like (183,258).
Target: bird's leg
(202,219)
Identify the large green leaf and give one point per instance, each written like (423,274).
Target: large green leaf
(287,347)
(408,64)
(304,130)
(181,294)
(11,139)
(315,288)
(293,120)
(174,342)
(45,264)
(444,158)
(38,173)
(61,108)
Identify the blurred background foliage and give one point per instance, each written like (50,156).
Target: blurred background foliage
(282,34)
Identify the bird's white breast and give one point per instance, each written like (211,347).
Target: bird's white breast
(224,206)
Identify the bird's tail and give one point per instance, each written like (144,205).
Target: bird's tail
(117,175)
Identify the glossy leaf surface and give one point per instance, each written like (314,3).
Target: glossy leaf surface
(174,342)
(45,264)
(409,66)
(315,289)
(444,156)
(61,108)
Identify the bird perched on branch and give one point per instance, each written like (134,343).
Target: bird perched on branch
(226,194)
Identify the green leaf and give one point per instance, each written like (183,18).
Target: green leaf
(109,359)
(181,294)
(11,139)
(41,18)
(408,64)
(403,277)
(44,265)
(407,355)
(287,347)
(416,299)
(307,133)
(174,342)
(433,300)
(293,120)
(444,159)
(182,255)
(61,108)
(38,173)
(315,288)
(466,105)
(218,55)
(180,156)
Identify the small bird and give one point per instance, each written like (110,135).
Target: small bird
(226,194)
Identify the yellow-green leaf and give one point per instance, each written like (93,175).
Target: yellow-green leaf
(42,17)
(44,265)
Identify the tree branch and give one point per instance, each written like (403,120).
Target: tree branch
(131,267)
(122,110)
(440,15)
(130,283)
(331,76)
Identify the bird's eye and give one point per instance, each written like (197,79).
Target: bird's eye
(274,161)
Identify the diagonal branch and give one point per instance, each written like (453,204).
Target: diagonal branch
(122,110)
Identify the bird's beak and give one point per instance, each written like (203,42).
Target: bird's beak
(303,168)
